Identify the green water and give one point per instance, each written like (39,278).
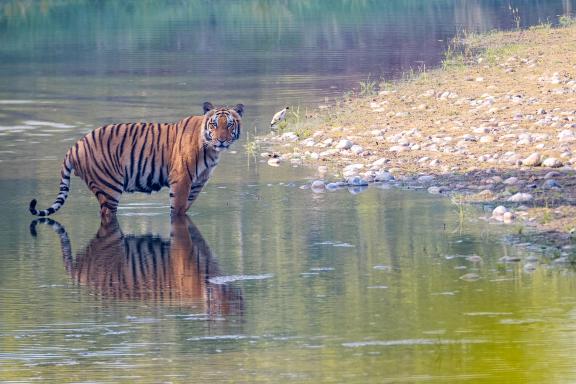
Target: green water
(267,282)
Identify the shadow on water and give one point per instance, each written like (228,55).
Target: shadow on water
(175,271)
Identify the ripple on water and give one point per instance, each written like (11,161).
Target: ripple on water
(36,123)
(232,278)
(223,338)
(411,342)
(335,244)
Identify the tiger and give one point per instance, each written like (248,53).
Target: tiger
(145,157)
(149,268)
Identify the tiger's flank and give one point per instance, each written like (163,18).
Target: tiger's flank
(145,157)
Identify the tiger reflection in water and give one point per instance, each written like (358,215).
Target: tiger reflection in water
(150,268)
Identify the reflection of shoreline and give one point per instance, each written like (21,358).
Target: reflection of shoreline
(150,268)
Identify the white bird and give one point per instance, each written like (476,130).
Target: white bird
(278,117)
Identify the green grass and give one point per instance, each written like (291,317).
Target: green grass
(297,121)
(368,87)
(566,21)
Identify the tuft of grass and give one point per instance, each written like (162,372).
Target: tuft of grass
(368,87)
(298,121)
(495,54)
(252,146)
(459,53)
(515,15)
(567,21)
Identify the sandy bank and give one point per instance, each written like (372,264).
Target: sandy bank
(496,124)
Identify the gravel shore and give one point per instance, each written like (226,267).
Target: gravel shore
(496,124)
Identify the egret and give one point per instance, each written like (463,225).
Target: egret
(278,117)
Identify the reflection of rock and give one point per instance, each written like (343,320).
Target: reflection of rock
(150,268)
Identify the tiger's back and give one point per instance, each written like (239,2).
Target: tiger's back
(132,157)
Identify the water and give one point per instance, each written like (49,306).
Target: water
(267,282)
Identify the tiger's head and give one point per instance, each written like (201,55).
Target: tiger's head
(221,125)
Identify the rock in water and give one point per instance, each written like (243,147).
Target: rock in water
(357,181)
(317,184)
(499,211)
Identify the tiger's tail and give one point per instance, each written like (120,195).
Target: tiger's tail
(66,171)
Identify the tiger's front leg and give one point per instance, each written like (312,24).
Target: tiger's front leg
(197,186)
(179,197)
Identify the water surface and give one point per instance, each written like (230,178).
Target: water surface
(266,282)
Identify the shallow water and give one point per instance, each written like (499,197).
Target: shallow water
(267,282)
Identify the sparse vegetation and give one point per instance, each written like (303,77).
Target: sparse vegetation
(368,87)
(492,88)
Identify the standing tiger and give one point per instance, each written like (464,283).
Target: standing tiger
(144,157)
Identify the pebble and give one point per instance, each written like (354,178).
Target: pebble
(520,197)
(487,139)
(398,148)
(552,162)
(551,184)
(499,211)
(380,162)
(383,176)
(552,174)
(486,194)
(274,162)
(426,179)
(352,169)
(530,267)
(357,181)
(508,216)
(356,149)
(566,135)
(511,181)
(289,136)
(335,186)
(533,160)
(318,184)
(474,259)
(470,277)
(437,190)
(509,259)
(344,144)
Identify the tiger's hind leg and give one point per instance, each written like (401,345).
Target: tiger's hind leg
(108,204)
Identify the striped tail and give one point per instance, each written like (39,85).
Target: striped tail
(62,195)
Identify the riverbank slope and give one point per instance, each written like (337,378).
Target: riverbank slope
(497,123)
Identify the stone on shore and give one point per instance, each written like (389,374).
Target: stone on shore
(344,144)
(533,160)
(552,162)
(520,197)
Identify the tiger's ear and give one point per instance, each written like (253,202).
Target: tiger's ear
(239,108)
(207,106)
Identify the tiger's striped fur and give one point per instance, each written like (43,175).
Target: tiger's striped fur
(144,157)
